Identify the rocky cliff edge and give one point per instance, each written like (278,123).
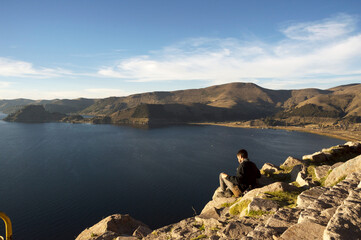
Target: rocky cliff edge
(316,197)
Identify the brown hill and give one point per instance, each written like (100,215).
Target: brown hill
(34,114)
(229,96)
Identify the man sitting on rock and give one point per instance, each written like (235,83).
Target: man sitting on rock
(246,179)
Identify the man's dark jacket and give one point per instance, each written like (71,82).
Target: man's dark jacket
(247,174)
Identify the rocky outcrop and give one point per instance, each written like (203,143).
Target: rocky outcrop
(283,209)
(339,153)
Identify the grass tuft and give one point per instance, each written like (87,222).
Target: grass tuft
(239,207)
(339,180)
(284,199)
(258,213)
(199,237)
(202,228)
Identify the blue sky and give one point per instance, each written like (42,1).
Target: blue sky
(91,48)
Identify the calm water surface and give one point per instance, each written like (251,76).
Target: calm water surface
(59,178)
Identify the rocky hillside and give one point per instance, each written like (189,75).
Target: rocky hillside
(233,102)
(316,197)
(228,102)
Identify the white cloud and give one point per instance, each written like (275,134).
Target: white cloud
(61,94)
(326,29)
(16,68)
(4,84)
(325,48)
(105,92)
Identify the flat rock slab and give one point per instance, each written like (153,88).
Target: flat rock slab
(283,219)
(303,231)
(309,196)
(260,204)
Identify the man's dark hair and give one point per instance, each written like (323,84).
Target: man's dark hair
(243,153)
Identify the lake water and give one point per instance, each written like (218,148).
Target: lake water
(58,179)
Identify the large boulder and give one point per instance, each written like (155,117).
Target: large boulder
(290,162)
(269,168)
(114,226)
(351,166)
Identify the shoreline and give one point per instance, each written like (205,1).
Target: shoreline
(334,133)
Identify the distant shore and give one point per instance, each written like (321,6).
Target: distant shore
(348,135)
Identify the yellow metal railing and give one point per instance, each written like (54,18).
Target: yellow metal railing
(8,226)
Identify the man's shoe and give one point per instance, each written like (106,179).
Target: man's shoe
(228,193)
(224,194)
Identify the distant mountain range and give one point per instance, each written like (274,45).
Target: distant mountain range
(227,102)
